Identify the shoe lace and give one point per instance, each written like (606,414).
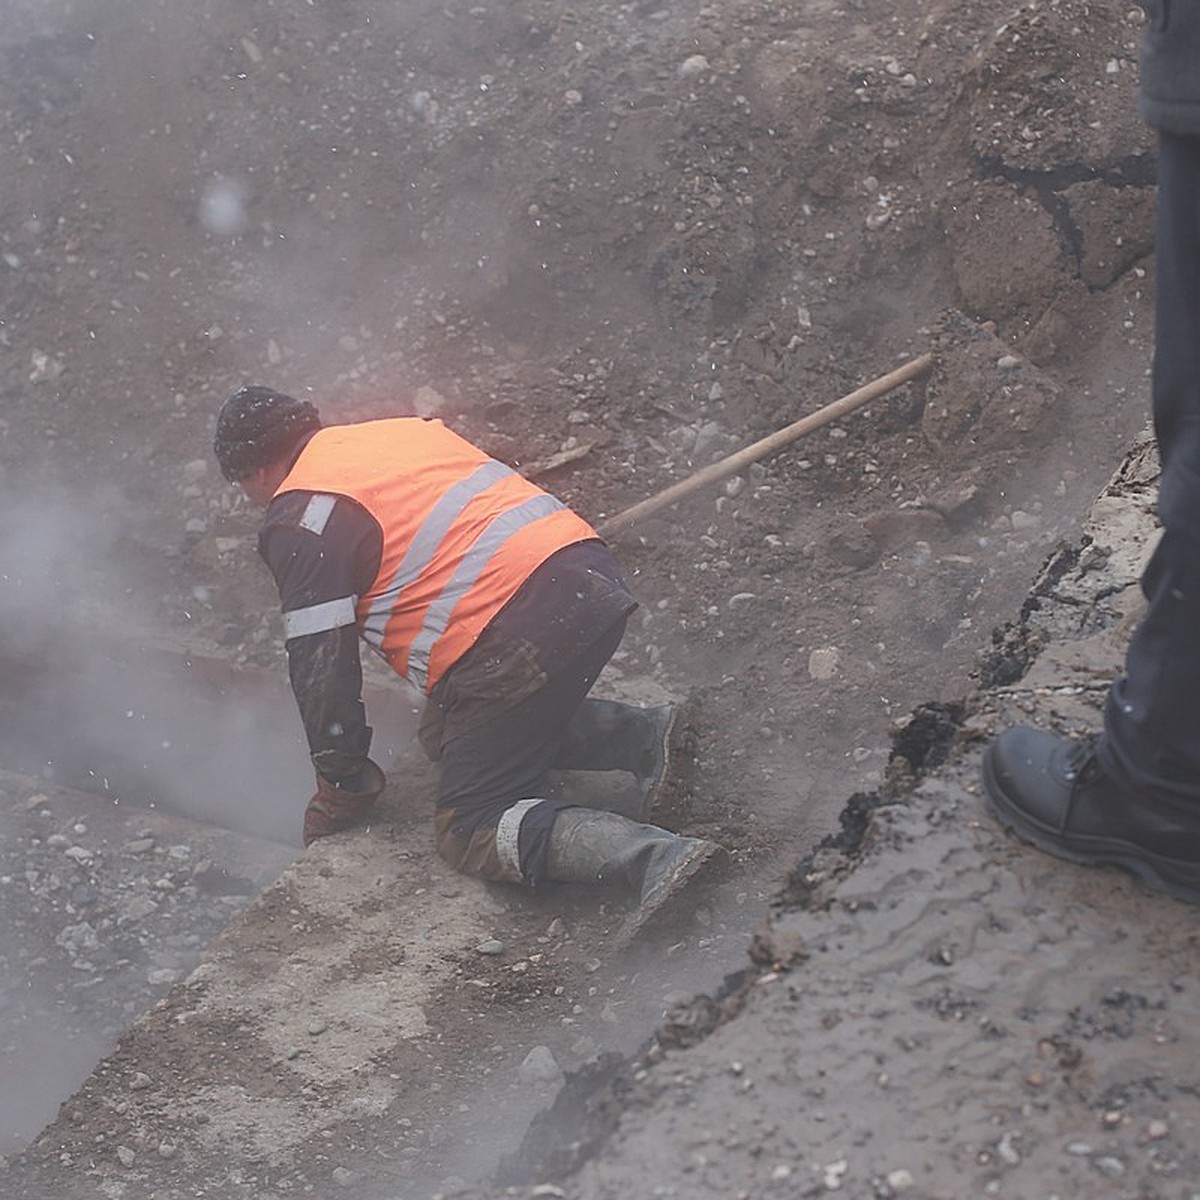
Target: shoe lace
(1081,761)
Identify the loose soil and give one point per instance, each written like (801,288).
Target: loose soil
(610,244)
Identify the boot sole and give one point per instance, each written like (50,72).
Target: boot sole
(1172,877)
(672,744)
(706,857)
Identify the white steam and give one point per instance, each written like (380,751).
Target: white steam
(223,208)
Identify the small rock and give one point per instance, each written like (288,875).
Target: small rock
(1006,1150)
(824,663)
(140,1082)
(708,437)
(344,1177)
(540,1067)
(692,66)
(138,908)
(428,402)
(491,947)
(834,1174)
(317,1027)
(899,1180)
(126,1156)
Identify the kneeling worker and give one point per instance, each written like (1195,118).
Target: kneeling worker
(495,601)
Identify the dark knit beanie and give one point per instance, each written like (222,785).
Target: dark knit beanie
(257,426)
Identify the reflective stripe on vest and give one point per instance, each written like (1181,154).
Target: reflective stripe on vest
(427,543)
(438,614)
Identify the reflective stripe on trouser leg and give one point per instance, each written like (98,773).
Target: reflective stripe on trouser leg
(508,837)
(488,852)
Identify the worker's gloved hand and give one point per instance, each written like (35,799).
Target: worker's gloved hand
(334,808)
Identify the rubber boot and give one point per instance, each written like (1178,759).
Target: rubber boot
(650,743)
(587,846)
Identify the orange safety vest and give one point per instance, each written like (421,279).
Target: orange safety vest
(461,533)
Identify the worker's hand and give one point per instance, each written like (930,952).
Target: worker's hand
(334,808)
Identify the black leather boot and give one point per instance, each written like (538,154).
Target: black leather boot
(1053,792)
(587,846)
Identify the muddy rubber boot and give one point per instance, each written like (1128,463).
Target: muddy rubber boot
(587,846)
(650,743)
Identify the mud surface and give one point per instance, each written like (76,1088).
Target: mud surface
(611,245)
(934,1009)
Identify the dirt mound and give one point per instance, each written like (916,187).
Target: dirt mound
(611,243)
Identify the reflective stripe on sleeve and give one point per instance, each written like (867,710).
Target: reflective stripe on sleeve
(508,836)
(316,513)
(474,561)
(319,618)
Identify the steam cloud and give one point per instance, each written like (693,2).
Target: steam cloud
(88,705)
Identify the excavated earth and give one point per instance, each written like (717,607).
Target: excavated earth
(611,244)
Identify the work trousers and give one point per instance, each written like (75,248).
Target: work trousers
(494,817)
(1152,718)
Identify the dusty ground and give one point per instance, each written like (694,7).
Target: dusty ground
(640,235)
(933,1009)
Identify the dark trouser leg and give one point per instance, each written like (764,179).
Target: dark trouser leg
(492,819)
(1152,717)
(1152,720)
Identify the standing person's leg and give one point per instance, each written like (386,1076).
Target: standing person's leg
(1152,720)
(1131,796)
